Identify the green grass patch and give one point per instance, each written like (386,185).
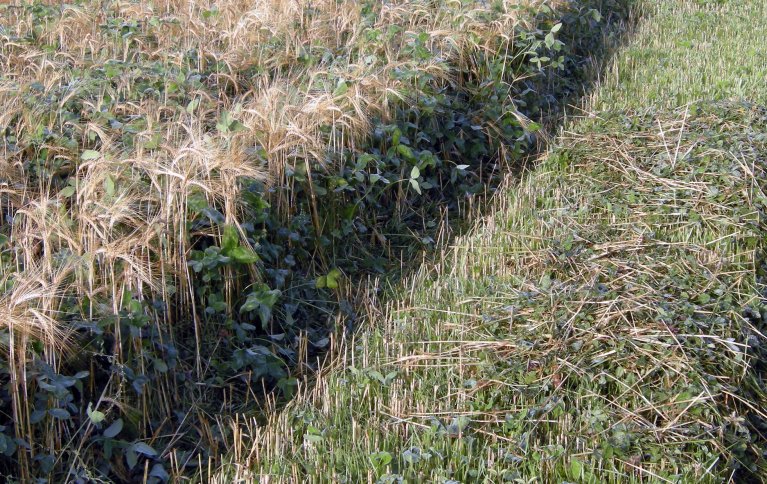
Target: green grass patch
(690,50)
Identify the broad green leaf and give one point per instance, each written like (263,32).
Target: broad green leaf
(250,304)
(264,314)
(109,186)
(114,429)
(143,448)
(229,239)
(243,255)
(415,173)
(127,297)
(159,472)
(237,126)
(153,142)
(415,185)
(90,155)
(95,416)
(405,152)
(321,282)
(341,88)
(67,192)
(331,282)
(160,365)
(226,118)
(332,278)
(10,446)
(576,468)
(556,28)
(381,459)
(269,297)
(135,306)
(549,40)
(59,413)
(37,416)
(192,105)
(131,458)
(363,160)
(108,447)
(287,386)
(412,455)
(396,137)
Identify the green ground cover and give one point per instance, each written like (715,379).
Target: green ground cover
(704,50)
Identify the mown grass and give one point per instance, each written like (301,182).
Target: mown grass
(702,50)
(606,323)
